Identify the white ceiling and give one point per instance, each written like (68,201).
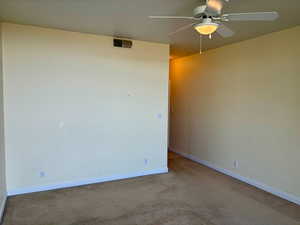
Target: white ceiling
(129,18)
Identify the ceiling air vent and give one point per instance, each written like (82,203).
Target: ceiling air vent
(122,43)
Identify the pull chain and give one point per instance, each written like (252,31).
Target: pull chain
(200,44)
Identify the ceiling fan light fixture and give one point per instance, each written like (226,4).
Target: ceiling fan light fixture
(207,27)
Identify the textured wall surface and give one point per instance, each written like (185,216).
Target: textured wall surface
(241,103)
(77,108)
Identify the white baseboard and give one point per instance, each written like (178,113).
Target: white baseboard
(84,182)
(2,208)
(252,182)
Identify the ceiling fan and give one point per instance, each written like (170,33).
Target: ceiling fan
(208,19)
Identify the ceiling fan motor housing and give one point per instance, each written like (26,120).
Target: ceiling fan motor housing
(199,11)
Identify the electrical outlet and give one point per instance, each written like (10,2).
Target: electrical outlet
(235,164)
(146,161)
(42,174)
(159,116)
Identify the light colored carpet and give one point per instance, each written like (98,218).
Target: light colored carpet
(190,194)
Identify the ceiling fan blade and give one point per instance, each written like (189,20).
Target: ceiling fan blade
(214,7)
(224,31)
(182,28)
(173,17)
(254,16)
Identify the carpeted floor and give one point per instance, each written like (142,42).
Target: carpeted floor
(190,194)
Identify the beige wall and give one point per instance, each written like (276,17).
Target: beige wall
(2,153)
(76,108)
(242,102)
